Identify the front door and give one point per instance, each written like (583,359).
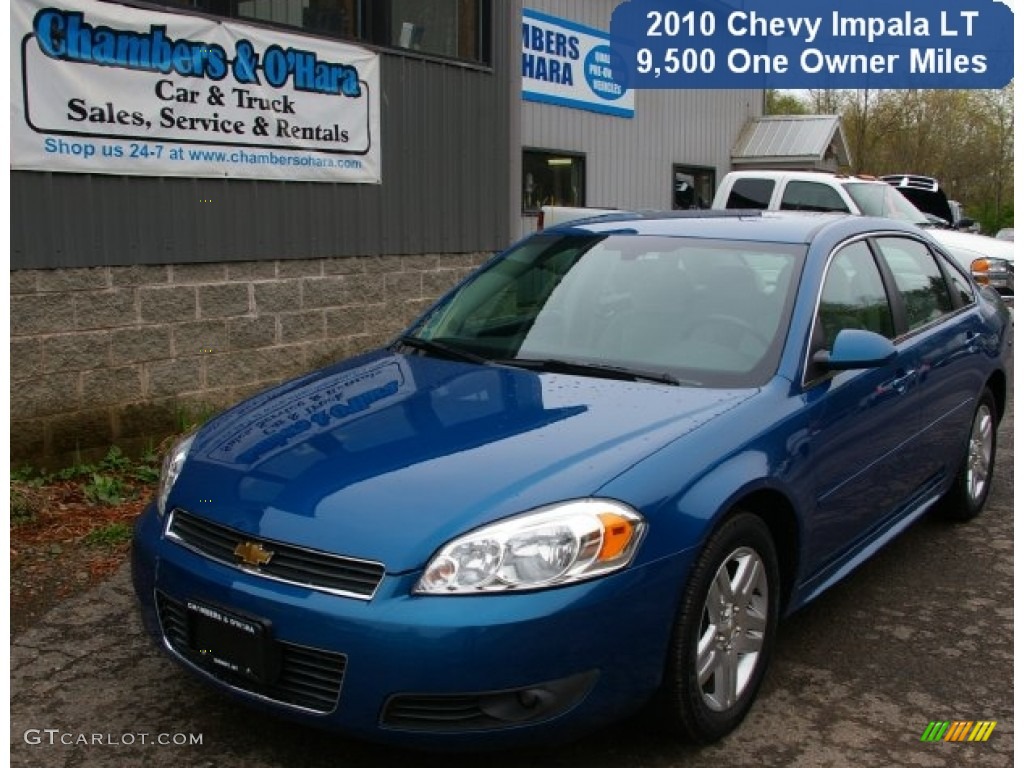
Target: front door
(861,420)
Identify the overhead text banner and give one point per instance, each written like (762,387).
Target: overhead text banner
(104,88)
(844,44)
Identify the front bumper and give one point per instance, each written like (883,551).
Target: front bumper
(451,672)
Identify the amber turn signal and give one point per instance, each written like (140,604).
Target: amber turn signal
(618,531)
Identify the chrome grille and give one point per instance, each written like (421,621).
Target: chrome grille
(295,565)
(310,678)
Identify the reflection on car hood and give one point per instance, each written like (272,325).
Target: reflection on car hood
(387,456)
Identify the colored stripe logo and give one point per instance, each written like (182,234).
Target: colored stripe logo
(958,730)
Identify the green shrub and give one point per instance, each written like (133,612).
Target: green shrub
(109,535)
(26,503)
(106,489)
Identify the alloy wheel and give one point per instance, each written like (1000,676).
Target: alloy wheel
(732,629)
(979,454)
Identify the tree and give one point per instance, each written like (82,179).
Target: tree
(825,101)
(964,138)
(784,103)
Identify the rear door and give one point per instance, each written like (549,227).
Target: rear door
(936,312)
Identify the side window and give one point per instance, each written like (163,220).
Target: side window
(812,196)
(918,278)
(751,193)
(961,285)
(853,296)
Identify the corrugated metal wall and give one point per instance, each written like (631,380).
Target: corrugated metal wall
(447,160)
(629,161)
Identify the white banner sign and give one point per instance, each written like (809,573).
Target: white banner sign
(103,88)
(570,65)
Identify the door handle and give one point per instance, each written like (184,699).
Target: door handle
(972,341)
(900,383)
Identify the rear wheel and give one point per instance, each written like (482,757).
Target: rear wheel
(970,490)
(724,632)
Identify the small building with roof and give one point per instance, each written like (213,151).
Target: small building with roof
(792,142)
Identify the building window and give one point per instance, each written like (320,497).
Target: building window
(552,178)
(456,29)
(443,27)
(692,187)
(339,18)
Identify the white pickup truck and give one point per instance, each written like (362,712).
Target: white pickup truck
(553,215)
(990,261)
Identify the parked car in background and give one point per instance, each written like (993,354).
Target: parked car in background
(594,475)
(927,196)
(989,261)
(1006,233)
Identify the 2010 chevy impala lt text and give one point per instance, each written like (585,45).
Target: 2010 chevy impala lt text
(592,477)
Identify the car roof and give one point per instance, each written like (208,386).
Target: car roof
(805,176)
(765,226)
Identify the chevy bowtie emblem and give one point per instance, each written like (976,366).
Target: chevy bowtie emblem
(252,553)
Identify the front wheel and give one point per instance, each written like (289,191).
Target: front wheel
(724,631)
(970,490)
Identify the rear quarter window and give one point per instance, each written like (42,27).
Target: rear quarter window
(812,196)
(751,193)
(961,285)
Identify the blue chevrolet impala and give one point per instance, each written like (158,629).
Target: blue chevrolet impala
(593,476)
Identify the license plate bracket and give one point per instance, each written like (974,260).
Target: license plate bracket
(229,642)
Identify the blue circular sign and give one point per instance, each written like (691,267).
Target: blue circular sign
(605,80)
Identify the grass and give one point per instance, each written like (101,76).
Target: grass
(91,503)
(72,528)
(112,534)
(191,417)
(26,502)
(107,489)
(110,481)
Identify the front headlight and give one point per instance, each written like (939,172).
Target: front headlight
(173,462)
(990,271)
(557,545)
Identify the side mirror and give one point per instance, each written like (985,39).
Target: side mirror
(855,348)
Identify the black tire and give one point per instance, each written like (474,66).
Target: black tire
(966,498)
(704,711)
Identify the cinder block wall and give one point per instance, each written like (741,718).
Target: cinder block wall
(123,355)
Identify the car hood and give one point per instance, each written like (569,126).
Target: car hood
(934,202)
(388,456)
(975,246)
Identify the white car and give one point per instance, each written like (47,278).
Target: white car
(989,261)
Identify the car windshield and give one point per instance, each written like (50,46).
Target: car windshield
(879,199)
(680,310)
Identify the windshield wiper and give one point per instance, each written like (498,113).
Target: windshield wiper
(621,373)
(440,349)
